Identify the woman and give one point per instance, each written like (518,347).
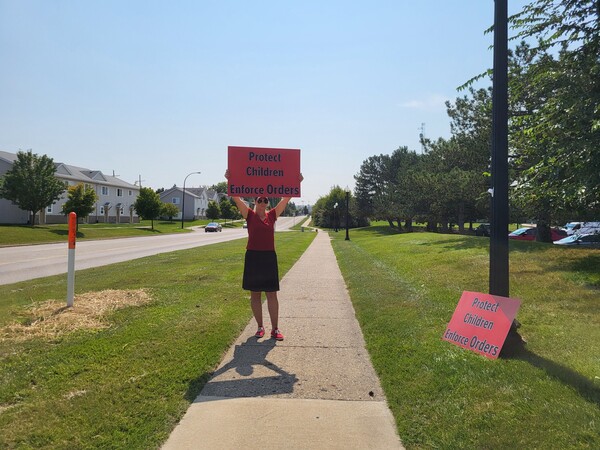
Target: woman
(261,273)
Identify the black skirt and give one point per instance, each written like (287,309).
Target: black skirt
(261,273)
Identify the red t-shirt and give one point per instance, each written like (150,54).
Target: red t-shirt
(261,234)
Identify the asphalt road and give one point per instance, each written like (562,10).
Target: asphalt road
(28,262)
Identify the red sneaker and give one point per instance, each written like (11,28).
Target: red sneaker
(276,334)
(260,332)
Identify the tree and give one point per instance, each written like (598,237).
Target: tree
(31,184)
(555,98)
(382,187)
(226,208)
(169,210)
(471,127)
(212,211)
(81,200)
(148,204)
(221,187)
(325,214)
(369,185)
(290,209)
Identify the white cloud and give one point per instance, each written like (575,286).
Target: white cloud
(432,102)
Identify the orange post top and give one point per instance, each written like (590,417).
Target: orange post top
(72,229)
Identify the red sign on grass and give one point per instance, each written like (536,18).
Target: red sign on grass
(481,322)
(269,172)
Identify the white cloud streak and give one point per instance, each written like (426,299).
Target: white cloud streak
(432,102)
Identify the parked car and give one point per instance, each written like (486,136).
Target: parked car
(213,226)
(523,234)
(589,228)
(587,240)
(572,227)
(245,225)
(484,229)
(529,234)
(582,228)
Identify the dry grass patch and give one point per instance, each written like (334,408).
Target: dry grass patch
(53,318)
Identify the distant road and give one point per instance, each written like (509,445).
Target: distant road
(35,261)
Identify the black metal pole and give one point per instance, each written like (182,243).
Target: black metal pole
(347,215)
(499,230)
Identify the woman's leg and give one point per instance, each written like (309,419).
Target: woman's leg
(273,306)
(256,305)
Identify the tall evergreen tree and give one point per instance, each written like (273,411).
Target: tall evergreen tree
(382,189)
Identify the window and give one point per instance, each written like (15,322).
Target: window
(49,208)
(176,200)
(119,192)
(130,192)
(104,190)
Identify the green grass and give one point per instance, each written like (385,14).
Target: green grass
(300,221)
(42,234)
(405,287)
(421,226)
(126,386)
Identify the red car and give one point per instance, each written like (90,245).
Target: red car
(529,234)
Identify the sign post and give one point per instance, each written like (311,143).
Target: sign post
(480,322)
(71,260)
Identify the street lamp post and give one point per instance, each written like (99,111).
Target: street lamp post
(347,214)
(499,257)
(335,222)
(499,252)
(183,200)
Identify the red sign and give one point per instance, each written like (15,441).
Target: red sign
(269,172)
(481,322)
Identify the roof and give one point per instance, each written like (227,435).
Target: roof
(193,192)
(9,157)
(74,173)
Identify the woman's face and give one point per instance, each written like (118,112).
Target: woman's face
(262,202)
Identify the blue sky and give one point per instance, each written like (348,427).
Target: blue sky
(159,89)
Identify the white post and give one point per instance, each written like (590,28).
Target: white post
(71,260)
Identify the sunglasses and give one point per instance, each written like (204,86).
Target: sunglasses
(262,200)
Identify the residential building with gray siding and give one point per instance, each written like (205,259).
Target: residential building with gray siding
(114,204)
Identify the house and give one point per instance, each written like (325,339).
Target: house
(196,200)
(114,204)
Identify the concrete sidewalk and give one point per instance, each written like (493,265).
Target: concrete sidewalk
(315,390)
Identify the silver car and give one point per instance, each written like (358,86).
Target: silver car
(584,240)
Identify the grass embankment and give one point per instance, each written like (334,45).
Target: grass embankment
(128,384)
(43,234)
(405,287)
(300,221)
